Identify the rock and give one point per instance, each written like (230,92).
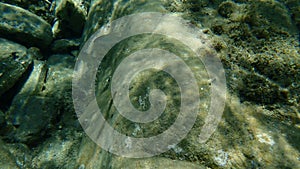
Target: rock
(65,45)
(35,53)
(61,62)
(103,12)
(25,27)
(98,15)
(155,162)
(227,8)
(22,154)
(71,18)
(7,159)
(14,63)
(273,16)
(259,126)
(30,112)
(36,107)
(92,156)
(260,90)
(59,151)
(249,134)
(40,8)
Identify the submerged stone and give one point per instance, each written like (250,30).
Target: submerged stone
(7,158)
(29,112)
(36,107)
(23,26)
(260,123)
(226,8)
(71,18)
(65,45)
(59,151)
(40,8)
(14,63)
(103,12)
(22,154)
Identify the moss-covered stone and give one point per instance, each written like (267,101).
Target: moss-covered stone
(42,8)
(71,17)
(7,160)
(268,17)
(65,46)
(227,8)
(259,48)
(24,27)
(14,63)
(60,151)
(35,108)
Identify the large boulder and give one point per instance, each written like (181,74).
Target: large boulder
(102,12)
(24,27)
(254,126)
(30,112)
(35,108)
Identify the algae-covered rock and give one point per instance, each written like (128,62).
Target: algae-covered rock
(37,105)
(35,53)
(7,159)
(258,47)
(42,9)
(155,162)
(25,27)
(71,16)
(92,156)
(22,154)
(264,72)
(60,151)
(65,45)
(30,112)
(269,17)
(227,8)
(102,12)
(99,13)
(14,63)
(139,94)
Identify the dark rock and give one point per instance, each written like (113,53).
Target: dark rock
(14,63)
(71,19)
(260,90)
(65,45)
(35,109)
(30,112)
(35,53)
(25,27)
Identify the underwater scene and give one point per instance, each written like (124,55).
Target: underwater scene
(155,84)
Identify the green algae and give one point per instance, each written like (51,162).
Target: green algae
(258,43)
